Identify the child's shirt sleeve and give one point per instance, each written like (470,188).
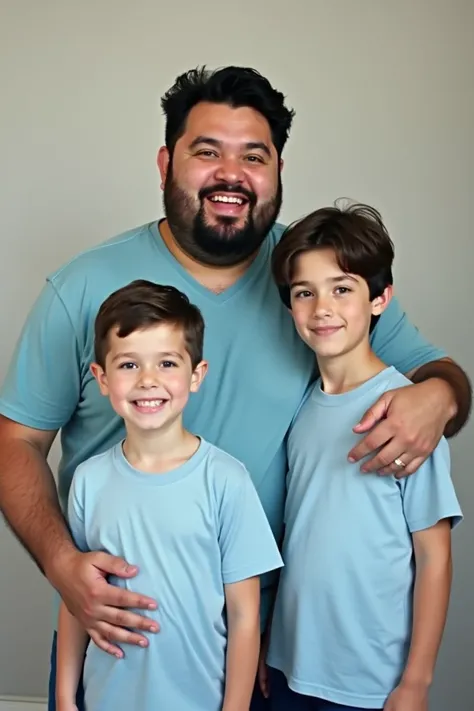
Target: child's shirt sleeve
(246,541)
(429,495)
(76,510)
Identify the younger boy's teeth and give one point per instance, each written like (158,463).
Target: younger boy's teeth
(149,403)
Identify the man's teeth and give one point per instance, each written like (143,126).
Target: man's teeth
(149,403)
(227,198)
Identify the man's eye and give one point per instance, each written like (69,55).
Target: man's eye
(207,154)
(254,159)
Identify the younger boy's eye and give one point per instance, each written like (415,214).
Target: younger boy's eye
(127,366)
(168,364)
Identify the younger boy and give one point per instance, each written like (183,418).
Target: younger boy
(186,511)
(363,597)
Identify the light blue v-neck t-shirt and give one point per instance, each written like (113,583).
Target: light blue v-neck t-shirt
(191,531)
(342,620)
(259,369)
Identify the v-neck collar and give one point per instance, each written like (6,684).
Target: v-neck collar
(252,272)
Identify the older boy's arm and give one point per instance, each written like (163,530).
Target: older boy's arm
(243,620)
(431,598)
(72,642)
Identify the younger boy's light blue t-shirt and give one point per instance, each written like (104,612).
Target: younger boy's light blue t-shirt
(191,531)
(342,620)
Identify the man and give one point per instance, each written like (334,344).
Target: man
(221,176)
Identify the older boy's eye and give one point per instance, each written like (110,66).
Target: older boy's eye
(342,290)
(303,294)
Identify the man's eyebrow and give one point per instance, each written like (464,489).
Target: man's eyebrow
(249,146)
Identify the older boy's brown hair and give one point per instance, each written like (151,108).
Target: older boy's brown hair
(357,236)
(142,304)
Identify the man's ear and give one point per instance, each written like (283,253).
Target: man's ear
(380,303)
(198,376)
(163,162)
(99,374)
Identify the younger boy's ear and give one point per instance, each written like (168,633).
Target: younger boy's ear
(99,374)
(198,376)
(380,303)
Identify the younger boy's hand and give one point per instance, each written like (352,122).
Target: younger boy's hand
(262,673)
(408,698)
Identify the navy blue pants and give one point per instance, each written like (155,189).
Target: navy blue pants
(259,703)
(282,698)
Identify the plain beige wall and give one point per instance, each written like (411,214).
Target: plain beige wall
(384,94)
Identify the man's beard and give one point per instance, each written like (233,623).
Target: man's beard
(222,244)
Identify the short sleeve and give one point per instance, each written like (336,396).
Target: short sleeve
(42,385)
(246,541)
(75,512)
(429,495)
(397,342)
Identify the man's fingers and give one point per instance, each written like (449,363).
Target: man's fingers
(112,565)
(373,415)
(119,597)
(124,618)
(379,436)
(410,468)
(383,461)
(105,645)
(107,633)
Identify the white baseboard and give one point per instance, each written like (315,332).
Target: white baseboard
(16,703)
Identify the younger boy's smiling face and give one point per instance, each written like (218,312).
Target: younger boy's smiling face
(331,309)
(148,376)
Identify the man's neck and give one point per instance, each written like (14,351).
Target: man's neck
(349,370)
(216,279)
(159,451)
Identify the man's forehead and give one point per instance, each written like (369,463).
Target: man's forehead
(226,123)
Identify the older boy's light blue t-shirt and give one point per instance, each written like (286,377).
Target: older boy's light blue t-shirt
(191,531)
(259,369)
(342,620)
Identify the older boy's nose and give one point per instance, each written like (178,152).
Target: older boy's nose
(322,307)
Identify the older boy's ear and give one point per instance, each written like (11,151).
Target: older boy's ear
(198,376)
(380,303)
(99,374)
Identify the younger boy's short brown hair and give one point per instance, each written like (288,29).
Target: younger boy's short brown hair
(358,237)
(142,304)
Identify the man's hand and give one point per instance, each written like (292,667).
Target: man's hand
(408,697)
(406,425)
(80,579)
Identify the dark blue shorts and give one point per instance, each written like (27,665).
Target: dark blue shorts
(282,698)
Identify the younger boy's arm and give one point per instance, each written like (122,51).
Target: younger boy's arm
(71,647)
(243,645)
(432,589)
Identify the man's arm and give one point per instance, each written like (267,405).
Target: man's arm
(243,620)
(453,389)
(431,598)
(30,503)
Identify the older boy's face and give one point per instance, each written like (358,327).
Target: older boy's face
(148,376)
(331,309)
